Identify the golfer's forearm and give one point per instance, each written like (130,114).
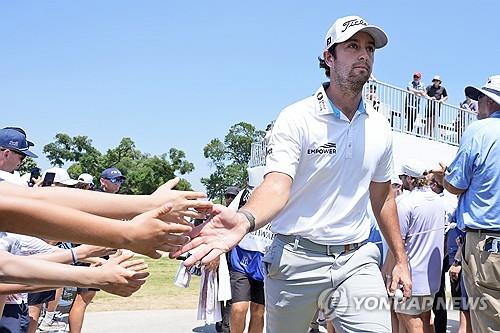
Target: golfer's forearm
(99,203)
(45,220)
(389,226)
(267,201)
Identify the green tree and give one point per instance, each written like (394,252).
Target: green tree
(27,165)
(230,159)
(144,172)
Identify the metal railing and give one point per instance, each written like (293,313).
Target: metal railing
(418,115)
(407,113)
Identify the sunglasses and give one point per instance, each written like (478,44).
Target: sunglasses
(21,155)
(416,77)
(116,180)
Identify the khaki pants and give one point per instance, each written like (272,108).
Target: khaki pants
(482,282)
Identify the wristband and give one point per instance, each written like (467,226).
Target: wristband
(250,218)
(74,257)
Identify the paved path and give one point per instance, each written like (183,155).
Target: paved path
(166,321)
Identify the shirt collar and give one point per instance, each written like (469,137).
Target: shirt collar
(495,114)
(326,106)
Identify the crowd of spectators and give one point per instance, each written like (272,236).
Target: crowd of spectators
(422,110)
(67,213)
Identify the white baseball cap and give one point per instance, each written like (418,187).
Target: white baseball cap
(345,27)
(61,176)
(413,168)
(490,89)
(436,78)
(396,180)
(86,178)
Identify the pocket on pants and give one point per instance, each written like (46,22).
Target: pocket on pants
(269,260)
(488,270)
(278,260)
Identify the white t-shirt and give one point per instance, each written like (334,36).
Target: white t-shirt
(13,246)
(27,246)
(21,244)
(332,162)
(13,178)
(422,215)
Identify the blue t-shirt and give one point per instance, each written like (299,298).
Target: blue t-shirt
(476,169)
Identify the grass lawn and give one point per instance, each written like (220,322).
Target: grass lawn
(159,292)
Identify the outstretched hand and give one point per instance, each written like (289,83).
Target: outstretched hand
(184,203)
(148,233)
(122,276)
(215,236)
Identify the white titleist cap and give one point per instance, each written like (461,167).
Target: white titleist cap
(345,27)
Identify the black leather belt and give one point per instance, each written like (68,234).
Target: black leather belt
(467,229)
(312,246)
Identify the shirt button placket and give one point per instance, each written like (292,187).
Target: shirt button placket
(349,143)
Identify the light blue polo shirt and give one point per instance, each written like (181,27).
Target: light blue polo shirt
(476,169)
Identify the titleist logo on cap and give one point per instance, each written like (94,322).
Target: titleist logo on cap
(352,23)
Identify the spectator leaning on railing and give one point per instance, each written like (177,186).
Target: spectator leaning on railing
(437,94)
(412,102)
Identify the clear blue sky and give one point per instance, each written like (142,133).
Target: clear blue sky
(179,73)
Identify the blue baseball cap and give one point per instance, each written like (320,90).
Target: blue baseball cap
(111,173)
(15,140)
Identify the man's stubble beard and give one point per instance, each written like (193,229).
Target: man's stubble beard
(352,84)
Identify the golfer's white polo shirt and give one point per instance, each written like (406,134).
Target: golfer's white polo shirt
(332,161)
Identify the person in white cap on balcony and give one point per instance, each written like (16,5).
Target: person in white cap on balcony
(474,174)
(328,155)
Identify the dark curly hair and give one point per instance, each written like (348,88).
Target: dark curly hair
(322,63)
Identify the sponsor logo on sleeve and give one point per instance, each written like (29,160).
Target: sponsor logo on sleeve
(321,101)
